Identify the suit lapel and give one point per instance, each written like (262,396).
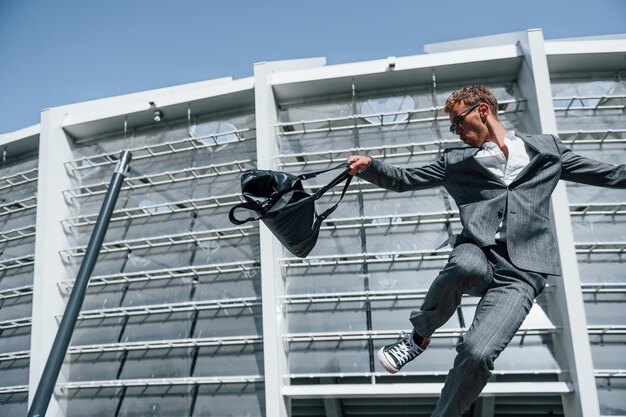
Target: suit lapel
(542,152)
(471,164)
(484,171)
(531,165)
(540,145)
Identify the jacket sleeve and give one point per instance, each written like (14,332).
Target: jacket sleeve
(588,171)
(399,179)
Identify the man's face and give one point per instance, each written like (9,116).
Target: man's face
(470,127)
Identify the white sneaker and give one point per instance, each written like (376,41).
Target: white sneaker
(394,356)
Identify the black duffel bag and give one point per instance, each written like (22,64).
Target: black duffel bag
(279,200)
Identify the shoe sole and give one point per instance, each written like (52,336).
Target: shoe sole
(385,363)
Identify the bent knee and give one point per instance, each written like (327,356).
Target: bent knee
(475,356)
(468,260)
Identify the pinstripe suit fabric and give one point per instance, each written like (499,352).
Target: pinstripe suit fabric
(508,276)
(507,296)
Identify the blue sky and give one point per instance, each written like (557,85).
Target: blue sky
(60,52)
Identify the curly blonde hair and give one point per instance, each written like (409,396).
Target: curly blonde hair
(471,95)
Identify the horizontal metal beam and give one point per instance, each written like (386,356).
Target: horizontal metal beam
(610,373)
(16,389)
(165,344)
(160,149)
(304,159)
(608,329)
(379,119)
(369,258)
(384,374)
(390,334)
(153,242)
(16,234)
(19,178)
(13,356)
(18,205)
(16,292)
(17,262)
(181,206)
(603,287)
(248,302)
(166,177)
(161,382)
(15,323)
(421,390)
(248,268)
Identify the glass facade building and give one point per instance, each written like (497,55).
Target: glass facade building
(189,315)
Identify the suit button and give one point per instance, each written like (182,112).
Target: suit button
(500,213)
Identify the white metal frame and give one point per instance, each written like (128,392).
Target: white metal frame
(170,308)
(360,121)
(133,213)
(18,205)
(168,274)
(19,178)
(166,240)
(163,178)
(161,149)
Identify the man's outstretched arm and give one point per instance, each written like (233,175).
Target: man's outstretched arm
(588,171)
(395,178)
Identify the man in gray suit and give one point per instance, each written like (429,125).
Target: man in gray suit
(502,184)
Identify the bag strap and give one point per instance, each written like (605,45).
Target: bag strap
(249,206)
(330,185)
(309,175)
(337,180)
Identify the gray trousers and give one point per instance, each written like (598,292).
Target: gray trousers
(507,296)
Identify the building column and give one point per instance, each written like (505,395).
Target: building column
(566,306)
(274,355)
(48,299)
(272,283)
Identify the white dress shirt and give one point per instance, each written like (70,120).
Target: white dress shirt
(491,157)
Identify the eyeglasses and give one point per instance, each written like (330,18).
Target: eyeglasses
(456,121)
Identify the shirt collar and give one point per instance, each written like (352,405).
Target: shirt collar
(510,135)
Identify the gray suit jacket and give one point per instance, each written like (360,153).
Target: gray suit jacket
(482,197)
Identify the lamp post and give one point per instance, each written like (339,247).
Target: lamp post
(51,371)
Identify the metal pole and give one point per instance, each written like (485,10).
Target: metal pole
(66,328)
